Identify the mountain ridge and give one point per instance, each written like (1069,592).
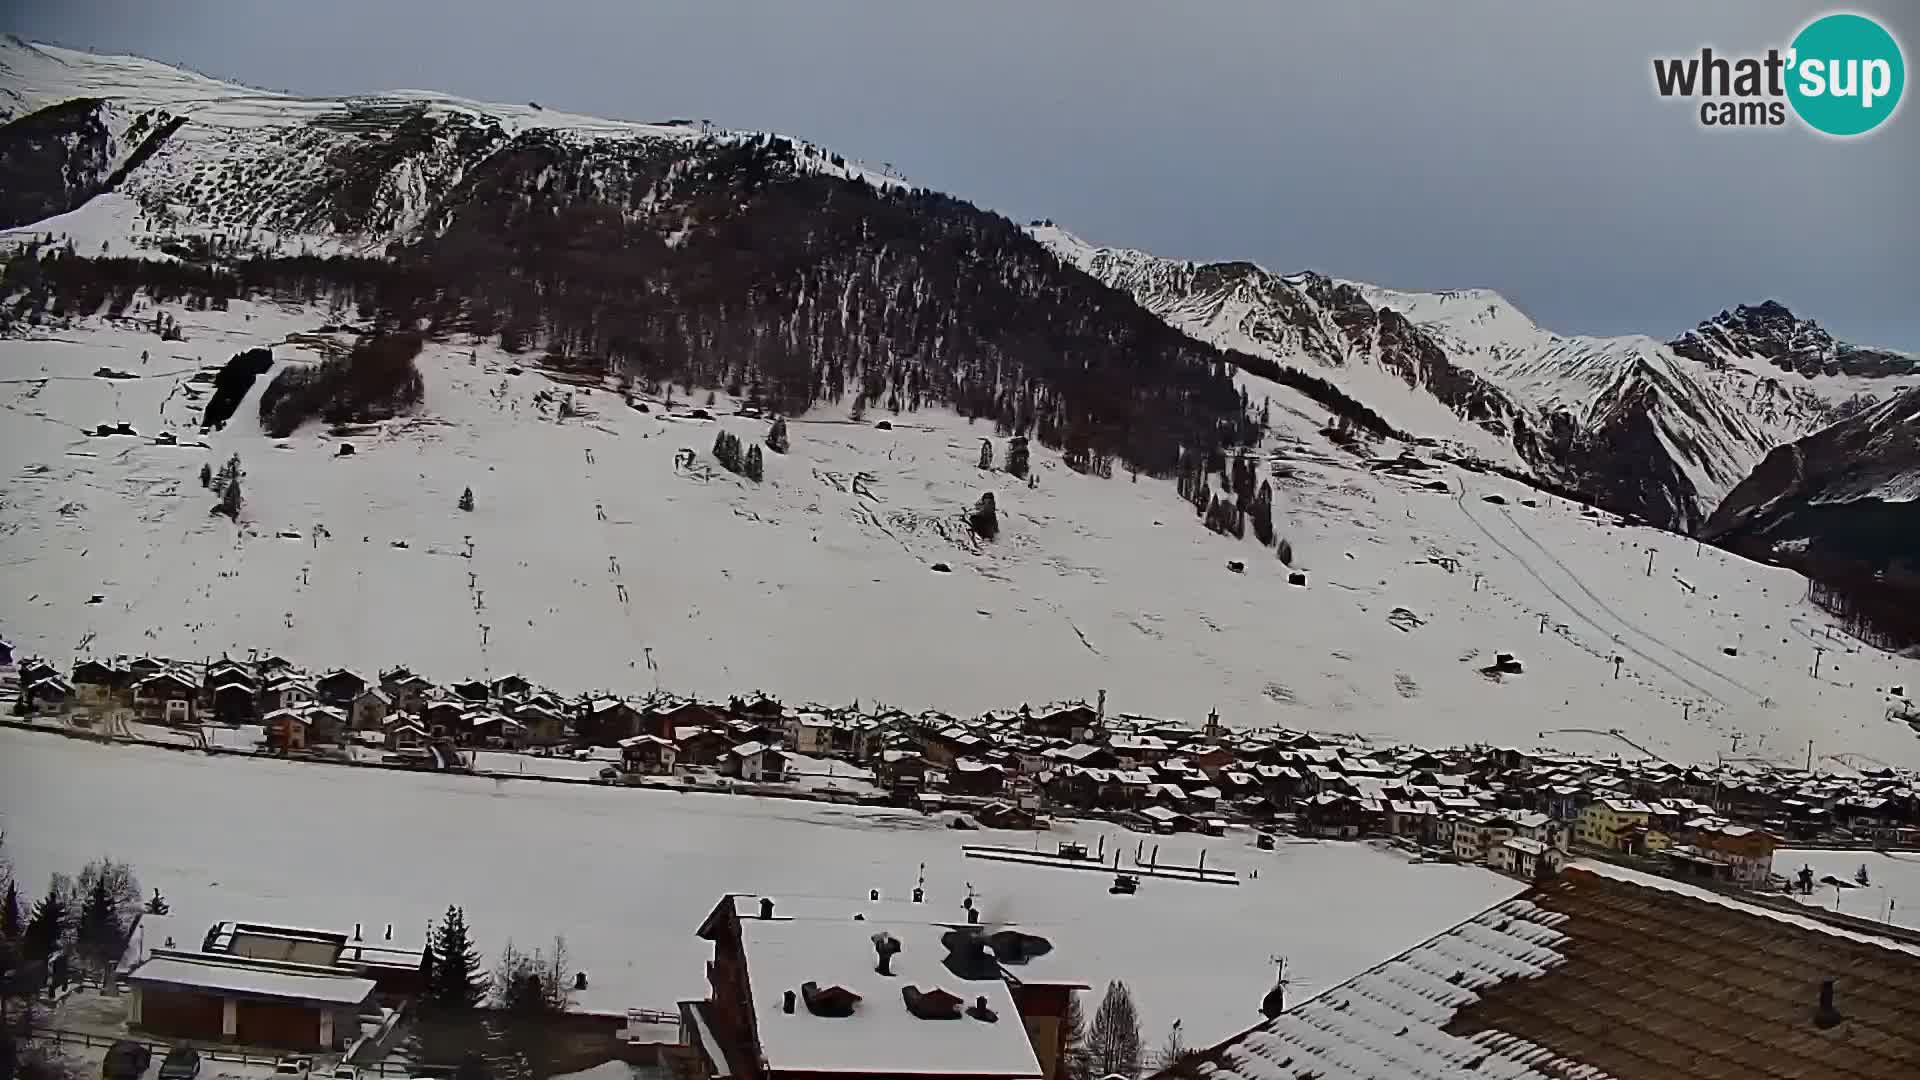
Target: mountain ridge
(1658,430)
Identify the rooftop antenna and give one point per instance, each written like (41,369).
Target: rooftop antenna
(1275,1002)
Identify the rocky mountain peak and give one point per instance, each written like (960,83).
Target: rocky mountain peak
(1769,331)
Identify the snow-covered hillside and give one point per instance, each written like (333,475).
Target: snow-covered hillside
(592,560)
(1301,320)
(271,172)
(1629,421)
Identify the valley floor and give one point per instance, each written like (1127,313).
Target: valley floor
(628,876)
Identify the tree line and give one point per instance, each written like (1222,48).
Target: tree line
(783,285)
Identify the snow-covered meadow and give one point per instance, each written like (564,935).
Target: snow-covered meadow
(1892,892)
(627,876)
(597,562)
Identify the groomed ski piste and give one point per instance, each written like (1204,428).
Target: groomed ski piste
(596,558)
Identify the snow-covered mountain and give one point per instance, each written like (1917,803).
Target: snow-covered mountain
(564,267)
(270,172)
(1842,504)
(57,158)
(1660,431)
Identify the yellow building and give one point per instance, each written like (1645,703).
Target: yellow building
(1604,821)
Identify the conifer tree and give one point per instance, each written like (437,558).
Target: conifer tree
(466,500)
(986,454)
(457,983)
(777,436)
(47,926)
(1075,1063)
(12,920)
(1263,514)
(98,935)
(756,466)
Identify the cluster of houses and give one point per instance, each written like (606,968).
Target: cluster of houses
(1516,811)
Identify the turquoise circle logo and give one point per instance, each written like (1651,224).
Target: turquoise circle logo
(1847,74)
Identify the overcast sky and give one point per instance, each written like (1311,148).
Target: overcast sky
(1517,146)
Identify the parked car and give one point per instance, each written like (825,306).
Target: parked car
(293,1068)
(181,1063)
(343,1071)
(126,1060)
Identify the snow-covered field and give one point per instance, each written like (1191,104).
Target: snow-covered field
(1892,892)
(597,563)
(627,876)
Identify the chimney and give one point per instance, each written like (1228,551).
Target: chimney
(356,931)
(973,916)
(919,894)
(1100,711)
(873,894)
(786,1003)
(389,932)
(766,908)
(579,980)
(884,946)
(980,1010)
(1826,1015)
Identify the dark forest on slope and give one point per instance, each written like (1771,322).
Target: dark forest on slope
(732,265)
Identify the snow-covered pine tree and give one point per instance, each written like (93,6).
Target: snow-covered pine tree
(777,435)
(986,454)
(755,467)
(1263,514)
(466,500)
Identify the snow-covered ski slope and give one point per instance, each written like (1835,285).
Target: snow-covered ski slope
(598,563)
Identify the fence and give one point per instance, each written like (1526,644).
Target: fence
(62,1038)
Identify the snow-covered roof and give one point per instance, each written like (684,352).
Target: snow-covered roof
(223,976)
(1521,843)
(1493,996)
(881,1037)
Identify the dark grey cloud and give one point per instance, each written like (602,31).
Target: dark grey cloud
(1508,145)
